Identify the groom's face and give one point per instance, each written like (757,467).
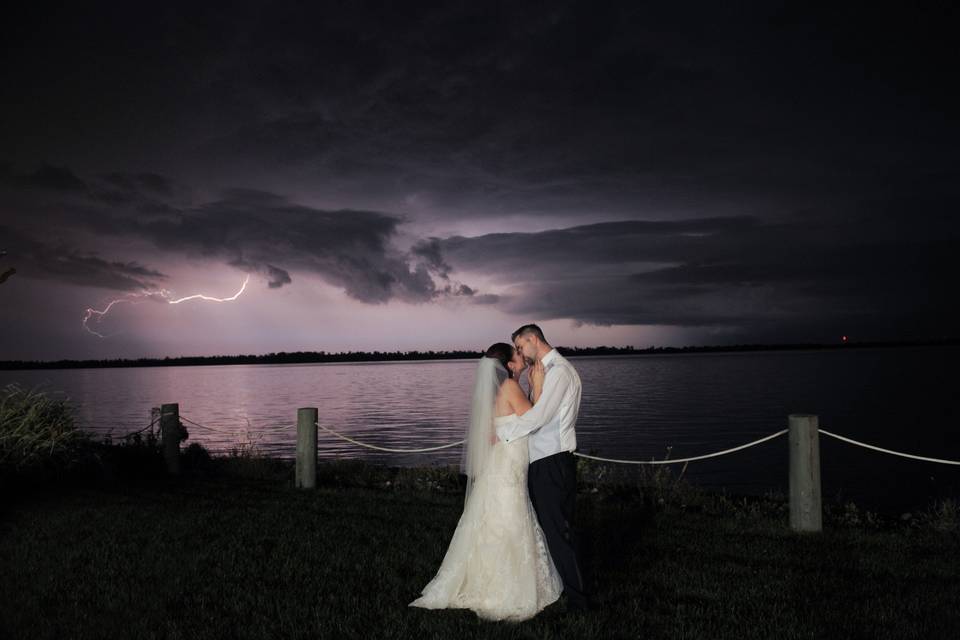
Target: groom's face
(527,348)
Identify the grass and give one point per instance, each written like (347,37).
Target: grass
(36,429)
(96,541)
(233,550)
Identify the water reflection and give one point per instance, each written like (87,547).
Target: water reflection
(633,407)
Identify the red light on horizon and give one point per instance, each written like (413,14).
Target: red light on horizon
(844,338)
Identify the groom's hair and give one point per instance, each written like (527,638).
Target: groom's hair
(527,329)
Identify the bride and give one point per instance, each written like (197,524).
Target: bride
(497,563)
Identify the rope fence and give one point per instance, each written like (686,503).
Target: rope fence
(685,460)
(211,429)
(803,434)
(388,450)
(716,454)
(891,452)
(138,431)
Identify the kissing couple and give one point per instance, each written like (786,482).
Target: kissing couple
(514,549)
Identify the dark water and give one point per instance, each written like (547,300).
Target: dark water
(633,407)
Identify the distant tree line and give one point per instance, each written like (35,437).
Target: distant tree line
(308,357)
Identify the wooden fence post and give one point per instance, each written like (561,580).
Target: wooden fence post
(170,436)
(806,510)
(306,472)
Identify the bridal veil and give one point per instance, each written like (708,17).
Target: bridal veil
(481,434)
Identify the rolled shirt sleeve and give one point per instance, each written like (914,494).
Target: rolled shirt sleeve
(555,386)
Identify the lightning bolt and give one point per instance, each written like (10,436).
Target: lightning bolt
(137,298)
(200,296)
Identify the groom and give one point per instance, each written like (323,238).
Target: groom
(552,478)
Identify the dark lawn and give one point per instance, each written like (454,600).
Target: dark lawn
(219,557)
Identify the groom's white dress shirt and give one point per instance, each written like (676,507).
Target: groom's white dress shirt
(552,419)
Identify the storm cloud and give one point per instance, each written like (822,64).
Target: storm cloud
(805,273)
(753,172)
(249,229)
(46,261)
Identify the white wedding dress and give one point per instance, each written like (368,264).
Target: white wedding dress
(497,563)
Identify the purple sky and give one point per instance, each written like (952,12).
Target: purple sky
(395,178)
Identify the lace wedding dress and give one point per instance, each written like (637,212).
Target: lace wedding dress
(497,563)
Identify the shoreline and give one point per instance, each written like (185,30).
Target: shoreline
(139,467)
(321,357)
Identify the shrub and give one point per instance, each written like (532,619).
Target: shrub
(38,432)
(135,458)
(196,459)
(657,486)
(246,460)
(942,515)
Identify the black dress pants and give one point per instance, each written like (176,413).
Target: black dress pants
(552,482)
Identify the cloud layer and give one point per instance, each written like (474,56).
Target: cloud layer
(806,275)
(774,171)
(880,270)
(252,230)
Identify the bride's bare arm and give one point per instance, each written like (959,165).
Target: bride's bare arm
(514,396)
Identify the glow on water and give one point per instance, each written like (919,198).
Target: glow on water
(633,407)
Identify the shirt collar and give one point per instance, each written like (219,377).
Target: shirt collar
(550,357)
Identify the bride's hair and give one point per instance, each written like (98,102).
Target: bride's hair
(502,352)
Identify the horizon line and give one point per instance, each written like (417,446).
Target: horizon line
(304,357)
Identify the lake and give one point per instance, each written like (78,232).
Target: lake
(633,407)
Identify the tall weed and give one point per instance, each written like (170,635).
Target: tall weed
(37,430)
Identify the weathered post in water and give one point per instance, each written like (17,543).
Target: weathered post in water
(170,436)
(806,510)
(306,473)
